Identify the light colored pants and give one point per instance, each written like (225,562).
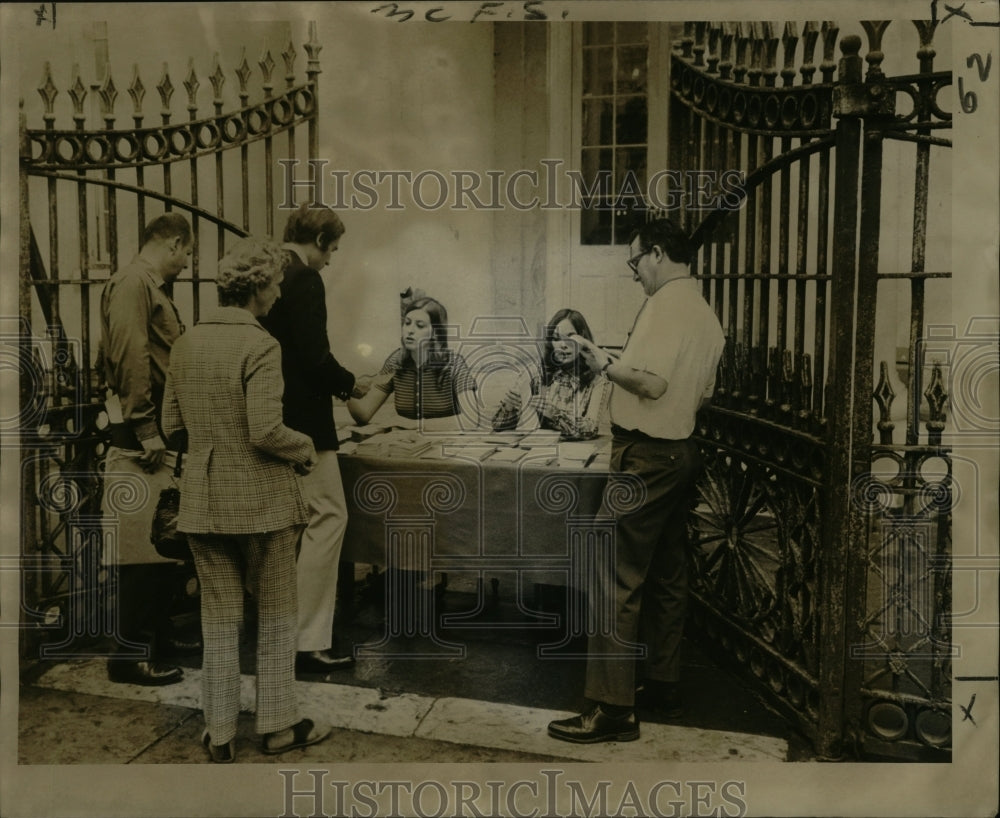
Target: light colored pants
(264,563)
(319,556)
(128,503)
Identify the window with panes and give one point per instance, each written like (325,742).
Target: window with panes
(614,135)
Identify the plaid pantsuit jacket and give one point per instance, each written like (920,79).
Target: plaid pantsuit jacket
(224,387)
(241,507)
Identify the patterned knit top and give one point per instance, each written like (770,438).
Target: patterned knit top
(430,392)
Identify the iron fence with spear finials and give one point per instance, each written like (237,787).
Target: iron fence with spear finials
(99,167)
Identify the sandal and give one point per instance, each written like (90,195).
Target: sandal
(304,734)
(220,753)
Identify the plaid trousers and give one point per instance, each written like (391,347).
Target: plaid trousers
(265,565)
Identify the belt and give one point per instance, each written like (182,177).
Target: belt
(123,437)
(635,434)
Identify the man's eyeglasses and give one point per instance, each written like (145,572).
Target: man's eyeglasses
(633,262)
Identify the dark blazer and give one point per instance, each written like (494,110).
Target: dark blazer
(312,375)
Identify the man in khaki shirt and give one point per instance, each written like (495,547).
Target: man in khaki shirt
(139,324)
(666,371)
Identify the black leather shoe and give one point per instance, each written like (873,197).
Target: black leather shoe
(596,725)
(660,699)
(150,674)
(320,661)
(177,643)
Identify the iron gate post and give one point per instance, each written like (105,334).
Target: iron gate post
(841,399)
(878,107)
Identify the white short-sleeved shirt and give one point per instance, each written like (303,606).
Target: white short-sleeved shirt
(678,337)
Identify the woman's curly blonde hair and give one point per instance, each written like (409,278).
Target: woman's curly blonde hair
(249,266)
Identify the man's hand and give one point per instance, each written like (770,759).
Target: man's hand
(153,449)
(593,356)
(361,386)
(364,383)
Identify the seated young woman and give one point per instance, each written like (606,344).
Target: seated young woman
(428,381)
(566,395)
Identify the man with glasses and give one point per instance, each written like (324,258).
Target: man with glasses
(665,373)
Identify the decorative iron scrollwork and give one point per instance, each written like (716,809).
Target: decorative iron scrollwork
(54,149)
(743,94)
(789,111)
(736,550)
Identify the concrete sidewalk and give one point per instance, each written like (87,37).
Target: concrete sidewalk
(101,722)
(491,702)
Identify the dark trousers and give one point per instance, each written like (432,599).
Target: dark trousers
(649,582)
(144,596)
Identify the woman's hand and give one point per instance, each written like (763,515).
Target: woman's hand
(508,412)
(511,401)
(370,401)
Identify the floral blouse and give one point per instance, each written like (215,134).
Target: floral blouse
(564,405)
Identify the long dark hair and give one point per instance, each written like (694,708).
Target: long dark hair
(438,356)
(549,366)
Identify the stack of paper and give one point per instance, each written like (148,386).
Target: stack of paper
(406,448)
(468,452)
(576,454)
(360,433)
(539,437)
(507,455)
(505,438)
(601,461)
(370,448)
(432,452)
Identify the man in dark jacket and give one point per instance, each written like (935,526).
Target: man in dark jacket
(313,377)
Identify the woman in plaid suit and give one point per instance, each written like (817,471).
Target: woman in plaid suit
(240,500)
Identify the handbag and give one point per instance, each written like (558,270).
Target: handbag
(166,539)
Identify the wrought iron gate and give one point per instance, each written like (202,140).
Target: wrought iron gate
(822,564)
(85,192)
